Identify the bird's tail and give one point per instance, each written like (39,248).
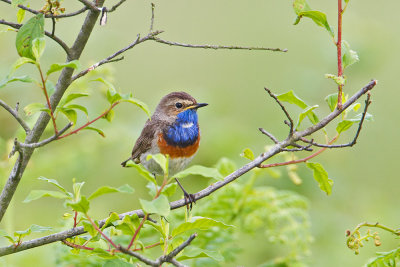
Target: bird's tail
(126,161)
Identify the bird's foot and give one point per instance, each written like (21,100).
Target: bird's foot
(189,198)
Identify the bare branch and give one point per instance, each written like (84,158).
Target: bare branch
(300,148)
(15,114)
(352,143)
(116,6)
(49,34)
(138,256)
(176,251)
(111,58)
(158,40)
(90,6)
(49,15)
(48,140)
(152,17)
(273,138)
(291,124)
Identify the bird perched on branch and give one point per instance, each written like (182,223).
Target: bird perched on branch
(172,130)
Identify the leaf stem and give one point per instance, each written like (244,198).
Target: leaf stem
(47,98)
(90,122)
(101,232)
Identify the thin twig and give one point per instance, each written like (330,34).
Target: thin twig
(48,140)
(116,6)
(176,251)
(291,124)
(301,148)
(138,256)
(152,17)
(53,119)
(55,38)
(90,5)
(73,245)
(205,46)
(49,15)
(354,141)
(52,19)
(273,138)
(14,113)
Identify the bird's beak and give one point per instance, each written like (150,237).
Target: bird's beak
(196,106)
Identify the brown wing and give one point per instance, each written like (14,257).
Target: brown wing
(143,143)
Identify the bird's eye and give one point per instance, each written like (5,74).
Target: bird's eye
(178,105)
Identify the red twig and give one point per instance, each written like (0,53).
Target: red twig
(101,232)
(75,217)
(339,52)
(90,122)
(53,119)
(147,247)
(73,245)
(299,160)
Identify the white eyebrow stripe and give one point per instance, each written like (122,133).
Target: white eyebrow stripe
(187,125)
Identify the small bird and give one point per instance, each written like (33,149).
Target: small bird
(172,130)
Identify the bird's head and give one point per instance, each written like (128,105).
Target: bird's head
(176,103)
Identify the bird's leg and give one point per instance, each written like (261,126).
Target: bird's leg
(189,198)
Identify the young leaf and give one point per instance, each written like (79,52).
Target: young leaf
(109,116)
(88,227)
(143,172)
(168,190)
(338,80)
(36,194)
(81,206)
(344,126)
(195,253)
(106,83)
(38,46)
(292,98)
(306,112)
(54,182)
(143,106)
(34,108)
(19,62)
(349,56)
(247,154)
(5,235)
(112,218)
(59,66)
(321,176)
(7,80)
(200,170)
(33,228)
(159,205)
(71,97)
(226,166)
(112,95)
(100,132)
(332,100)
(161,161)
(108,189)
(32,29)
(20,15)
(71,114)
(81,108)
(201,223)
(129,224)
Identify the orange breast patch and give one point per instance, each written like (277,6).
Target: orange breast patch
(176,151)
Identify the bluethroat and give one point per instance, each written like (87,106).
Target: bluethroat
(172,130)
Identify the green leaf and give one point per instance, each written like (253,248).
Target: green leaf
(344,126)
(5,235)
(248,154)
(7,80)
(226,166)
(81,108)
(201,223)
(112,95)
(109,116)
(195,253)
(38,46)
(34,108)
(74,64)
(318,17)
(19,62)
(20,15)
(71,114)
(112,218)
(108,189)
(292,98)
(168,190)
(200,170)
(129,224)
(55,183)
(349,56)
(81,206)
(88,227)
(143,106)
(32,29)
(306,112)
(34,228)
(36,194)
(161,161)
(143,172)
(338,80)
(321,176)
(106,83)
(332,100)
(71,97)
(100,132)
(50,87)
(159,205)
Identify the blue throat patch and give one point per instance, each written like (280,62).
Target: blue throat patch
(185,131)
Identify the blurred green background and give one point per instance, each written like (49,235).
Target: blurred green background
(365,176)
